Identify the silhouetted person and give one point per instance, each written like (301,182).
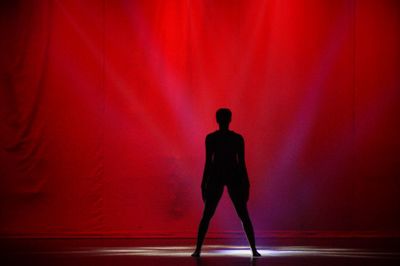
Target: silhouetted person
(225,166)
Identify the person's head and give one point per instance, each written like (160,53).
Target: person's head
(224,116)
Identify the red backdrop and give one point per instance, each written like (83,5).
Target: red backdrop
(105,105)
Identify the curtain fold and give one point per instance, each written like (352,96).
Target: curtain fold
(104,107)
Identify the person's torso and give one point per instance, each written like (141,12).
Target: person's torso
(225,147)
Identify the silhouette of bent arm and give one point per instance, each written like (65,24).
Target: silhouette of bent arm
(207,167)
(242,163)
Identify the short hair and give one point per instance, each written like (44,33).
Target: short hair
(223,115)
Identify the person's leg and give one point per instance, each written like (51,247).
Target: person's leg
(213,197)
(241,209)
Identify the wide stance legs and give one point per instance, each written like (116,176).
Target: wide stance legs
(209,210)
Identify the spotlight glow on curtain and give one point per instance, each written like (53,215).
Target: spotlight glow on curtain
(104,107)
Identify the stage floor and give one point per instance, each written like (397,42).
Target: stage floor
(282,251)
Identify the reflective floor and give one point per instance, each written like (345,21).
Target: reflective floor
(225,252)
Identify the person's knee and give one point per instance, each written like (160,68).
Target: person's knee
(243,216)
(208,214)
(207,217)
(242,212)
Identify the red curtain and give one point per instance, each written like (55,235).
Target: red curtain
(105,105)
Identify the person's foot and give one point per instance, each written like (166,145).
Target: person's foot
(256,254)
(196,254)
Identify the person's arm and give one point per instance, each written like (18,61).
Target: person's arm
(242,163)
(207,167)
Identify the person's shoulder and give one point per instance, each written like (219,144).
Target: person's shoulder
(236,135)
(211,135)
